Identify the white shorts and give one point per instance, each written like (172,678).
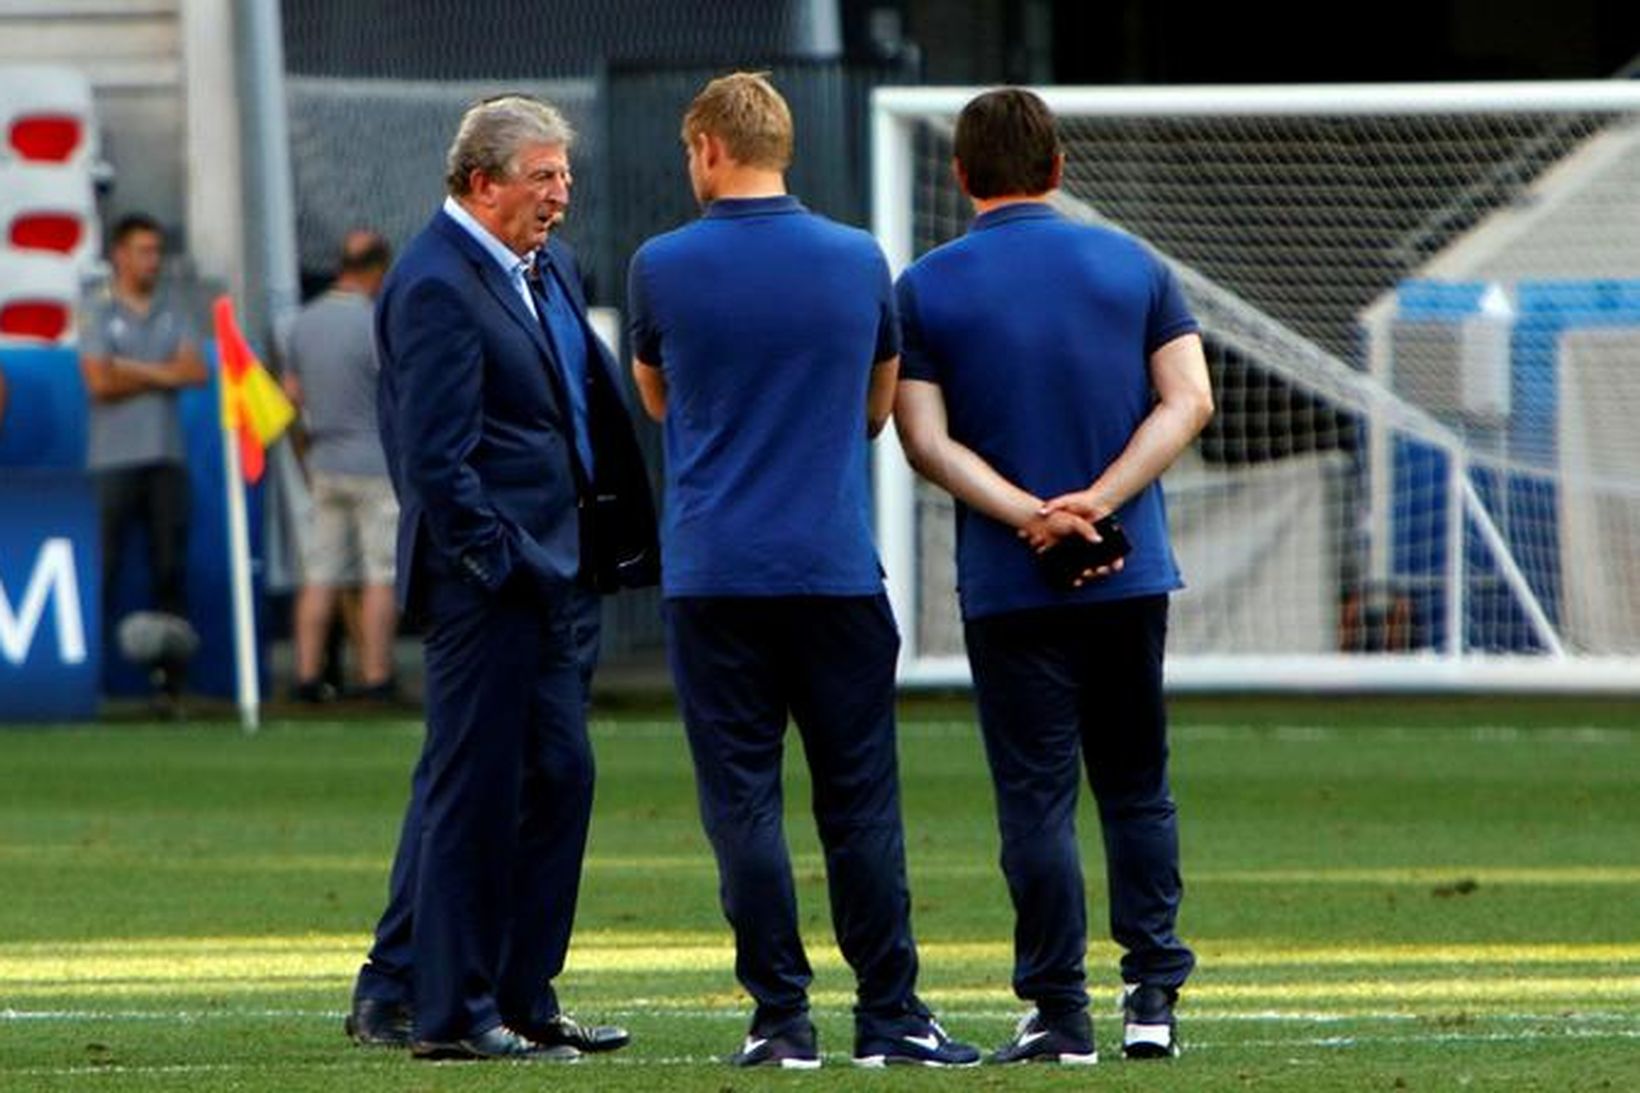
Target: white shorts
(353,531)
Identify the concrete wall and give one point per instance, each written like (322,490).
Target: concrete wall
(164,76)
(132,52)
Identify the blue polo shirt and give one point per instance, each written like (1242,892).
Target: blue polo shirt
(1039,332)
(766,320)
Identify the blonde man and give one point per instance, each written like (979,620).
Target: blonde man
(766,342)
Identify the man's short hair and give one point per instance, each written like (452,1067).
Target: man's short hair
(365,252)
(492,133)
(744,111)
(1006,143)
(130,224)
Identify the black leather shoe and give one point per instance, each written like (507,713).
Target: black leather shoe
(499,1043)
(374,1023)
(566,1031)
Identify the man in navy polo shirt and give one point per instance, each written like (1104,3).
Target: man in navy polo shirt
(1048,360)
(765,339)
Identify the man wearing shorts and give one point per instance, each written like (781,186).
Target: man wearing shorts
(330,374)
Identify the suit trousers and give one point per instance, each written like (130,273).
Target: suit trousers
(741,665)
(1060,689)
(484,884)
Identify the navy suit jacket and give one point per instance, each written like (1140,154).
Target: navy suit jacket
(476,426)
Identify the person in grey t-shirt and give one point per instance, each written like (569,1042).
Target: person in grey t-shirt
(330,374)
(137,350)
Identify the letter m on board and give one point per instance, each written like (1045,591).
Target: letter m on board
(53,572)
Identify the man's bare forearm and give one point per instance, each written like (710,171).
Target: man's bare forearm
(919,417)
(1179,373)
(1160,439)
(963,474)
(885,376)
(112,379)
(651,384)
(117,379)
(178,372)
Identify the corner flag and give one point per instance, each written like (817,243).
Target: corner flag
(254,409)
(254,412)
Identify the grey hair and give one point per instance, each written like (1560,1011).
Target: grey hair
(491,134)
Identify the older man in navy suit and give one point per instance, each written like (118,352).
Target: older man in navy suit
(523,497)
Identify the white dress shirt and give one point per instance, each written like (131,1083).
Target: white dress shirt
(511,264)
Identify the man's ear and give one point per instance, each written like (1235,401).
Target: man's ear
(709,149)
(1058,173)
(481,188)
(960,175)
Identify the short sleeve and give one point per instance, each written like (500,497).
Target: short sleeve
(1169,316)
(93,333)
(641,326)
(293,341)
(188,327)
(916,363)
(888,323)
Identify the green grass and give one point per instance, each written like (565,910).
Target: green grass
(1419,895)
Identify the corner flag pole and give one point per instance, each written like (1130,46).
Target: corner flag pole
(254,412)
(247,686)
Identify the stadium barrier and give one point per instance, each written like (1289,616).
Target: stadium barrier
(51,560)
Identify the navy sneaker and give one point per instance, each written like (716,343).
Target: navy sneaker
(1067,1038)
(1148,1028)
(791,1045)
(913,1040)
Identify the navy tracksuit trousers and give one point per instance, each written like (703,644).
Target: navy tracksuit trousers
(1060,689)
(741,666)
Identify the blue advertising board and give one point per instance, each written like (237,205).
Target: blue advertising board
(48,504)
(50,632)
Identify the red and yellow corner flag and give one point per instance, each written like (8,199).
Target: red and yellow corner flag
(254,409)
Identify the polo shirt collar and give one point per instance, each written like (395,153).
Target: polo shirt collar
(752,206)
(1019,210)
(158,304)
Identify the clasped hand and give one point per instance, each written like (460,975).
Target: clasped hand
(1063,516)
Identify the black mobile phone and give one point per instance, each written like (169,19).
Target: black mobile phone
(1065,562)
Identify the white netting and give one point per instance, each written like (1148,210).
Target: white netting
(1424,334)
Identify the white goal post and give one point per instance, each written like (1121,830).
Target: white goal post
(1422,311)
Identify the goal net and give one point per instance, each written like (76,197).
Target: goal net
(1421,308)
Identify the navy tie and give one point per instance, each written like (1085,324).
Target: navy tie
(563,330)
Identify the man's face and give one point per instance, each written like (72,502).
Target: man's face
(522,208)
(137,260)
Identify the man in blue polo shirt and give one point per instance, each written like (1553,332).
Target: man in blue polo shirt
(765,339)
(1048,360)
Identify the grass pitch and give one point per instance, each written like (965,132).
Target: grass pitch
(1407,895)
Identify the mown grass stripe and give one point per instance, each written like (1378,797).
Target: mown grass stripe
(181,959)
(1398,990)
